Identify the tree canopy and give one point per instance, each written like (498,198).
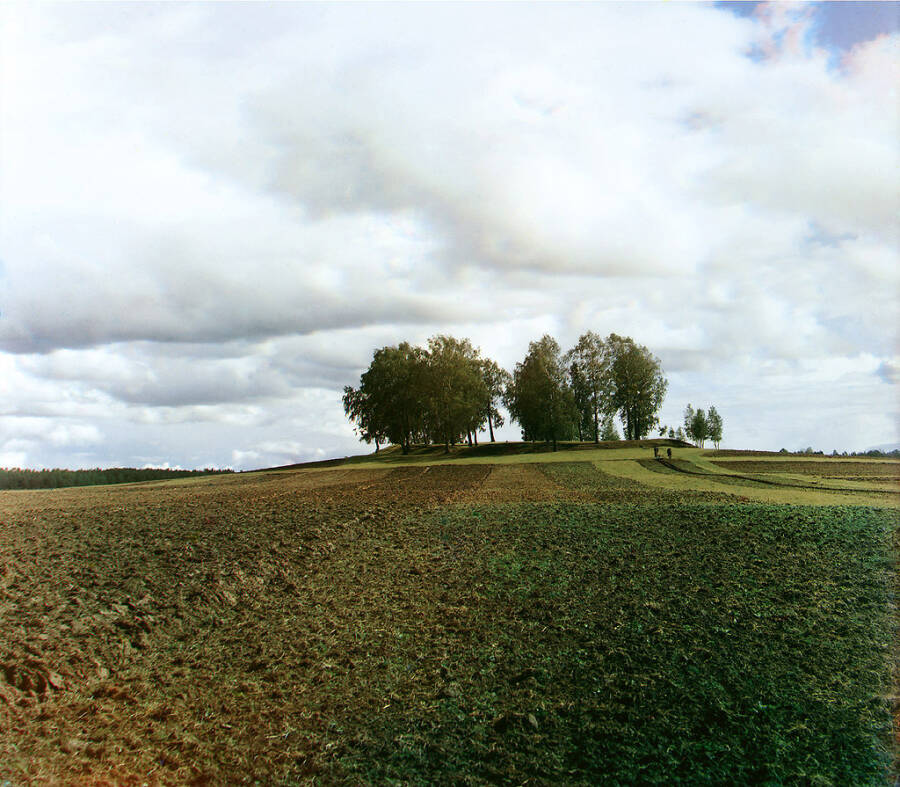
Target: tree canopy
(457,395)
(416,395)
(589,369)
(637,385)
(389,405)
(495,381)
(700,425)
(448,391)
(714,421)
(540,397)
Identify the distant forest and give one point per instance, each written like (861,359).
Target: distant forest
(14,478)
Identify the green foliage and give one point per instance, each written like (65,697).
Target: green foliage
(876,453)
(714,422)
(439,394)
(495,382)
(638,385)
(581,393)
(589,364)
(389,405)
(540,397)
(615,375)
(689,421)
(457,395)
(409,394)
(609,431)
(700,426)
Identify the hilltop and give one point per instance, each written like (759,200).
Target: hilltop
(494,452)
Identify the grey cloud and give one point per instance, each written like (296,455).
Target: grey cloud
(220,314)
(144,376)
(889,372)
(221,211)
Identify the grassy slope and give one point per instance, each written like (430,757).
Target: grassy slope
(622,459)
(413,620)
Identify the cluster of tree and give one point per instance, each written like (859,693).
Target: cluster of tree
(555,396)
(700,425)
(427,395)
(448,391)
(15,478)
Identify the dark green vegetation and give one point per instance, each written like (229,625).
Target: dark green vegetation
(589,645)
(447,392)
(700,426)
(14,478)
(554,622)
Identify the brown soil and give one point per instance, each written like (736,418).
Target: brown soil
(188,633)
(869,471)
(517,483)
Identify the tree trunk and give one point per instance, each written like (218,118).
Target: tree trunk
(469,437)
(491,427)
(596,426)
(475,435)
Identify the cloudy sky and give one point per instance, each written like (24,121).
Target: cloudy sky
(211,214)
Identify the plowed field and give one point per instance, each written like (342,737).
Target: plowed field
(872,471)
(447,623)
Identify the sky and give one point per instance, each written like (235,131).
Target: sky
(212,214)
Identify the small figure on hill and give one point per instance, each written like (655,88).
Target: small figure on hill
(656,452)
(669,452)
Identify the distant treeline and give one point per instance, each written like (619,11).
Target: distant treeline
(873,453)
(14,478)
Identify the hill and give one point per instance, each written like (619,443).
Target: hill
(492,452)
(574,617)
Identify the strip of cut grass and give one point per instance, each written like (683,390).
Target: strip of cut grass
(700,466)
(594,483)
(498,453)
(749,492)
